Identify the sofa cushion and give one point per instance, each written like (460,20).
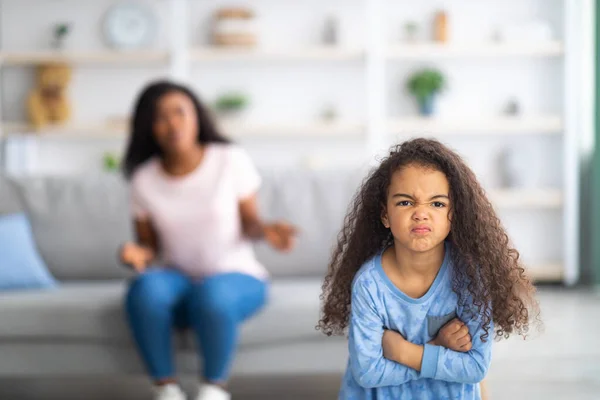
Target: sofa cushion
(79,223)
(93,311)
(9,197)
(21,267)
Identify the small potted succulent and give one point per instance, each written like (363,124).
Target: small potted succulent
(60,33)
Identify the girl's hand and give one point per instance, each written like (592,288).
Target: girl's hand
(454,336)
(280,235)
(136,256)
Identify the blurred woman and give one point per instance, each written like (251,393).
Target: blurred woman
(195,211)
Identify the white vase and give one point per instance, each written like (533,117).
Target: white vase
(519,167)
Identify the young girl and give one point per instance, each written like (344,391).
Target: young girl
(194,204)
(425,277)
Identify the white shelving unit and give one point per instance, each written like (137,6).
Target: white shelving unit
(237,129)
(13,59)
(432,51)
(316,130)
(308,54)
(529,206)
(380,128)
(527,198)
(547,272)
(18,129)
(547,125)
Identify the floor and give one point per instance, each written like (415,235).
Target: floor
(562,361)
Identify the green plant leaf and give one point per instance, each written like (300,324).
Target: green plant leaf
(61,30)
(425,83)
(231,101)
(111,162)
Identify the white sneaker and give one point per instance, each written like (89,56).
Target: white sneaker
(212,392)
(170,391)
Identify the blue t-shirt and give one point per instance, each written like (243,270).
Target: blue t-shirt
(377,304)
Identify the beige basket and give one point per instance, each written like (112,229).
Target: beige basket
(234,27)
(235,40)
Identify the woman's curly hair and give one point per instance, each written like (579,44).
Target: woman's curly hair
(485,263)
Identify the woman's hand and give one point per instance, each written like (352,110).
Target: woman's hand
(280,235)
(136,256)
(454,336)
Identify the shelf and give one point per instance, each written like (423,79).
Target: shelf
(307,54)
(540,273)
(477,125)
(83,57)
(404,51)
(452,50)
(232,129)
(242,129)
(68,131)
(317,129)
(526,198)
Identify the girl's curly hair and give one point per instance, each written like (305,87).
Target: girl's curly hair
(484,261)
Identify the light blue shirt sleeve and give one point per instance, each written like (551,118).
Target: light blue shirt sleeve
(468,367)
(369,368)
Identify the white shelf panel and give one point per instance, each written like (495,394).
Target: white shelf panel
(68,131)
(477,125)
(233,129)
(457,50)
(307,54)
(526,198)
(550,272)
(88,57)
(317,129)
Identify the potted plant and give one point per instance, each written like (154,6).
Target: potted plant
(231,104)
(60,33)
(411,29)
(111,162)
(425,85)
(329,113)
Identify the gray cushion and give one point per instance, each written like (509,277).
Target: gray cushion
(9,197)
(315,201)
(79,224)
(93,311)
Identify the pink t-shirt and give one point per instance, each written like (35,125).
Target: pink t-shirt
(197,216)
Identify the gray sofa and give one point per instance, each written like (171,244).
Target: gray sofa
(79,328)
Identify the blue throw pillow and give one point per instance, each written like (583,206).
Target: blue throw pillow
(21,266)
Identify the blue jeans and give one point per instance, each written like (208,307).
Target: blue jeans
(161,299)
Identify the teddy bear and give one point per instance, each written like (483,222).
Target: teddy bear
(48,102)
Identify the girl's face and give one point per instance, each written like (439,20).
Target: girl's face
(176,123)
(418,208)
